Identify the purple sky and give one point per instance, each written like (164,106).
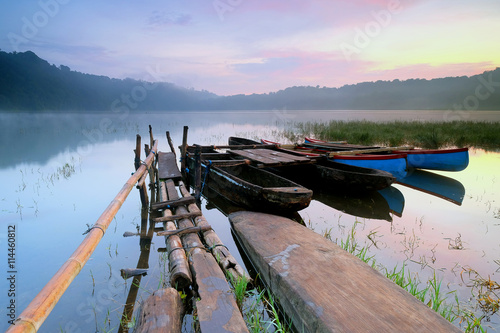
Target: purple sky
(242,46)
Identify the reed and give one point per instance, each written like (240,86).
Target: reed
(239,288)
(397,133)
(485,291)
(263,314)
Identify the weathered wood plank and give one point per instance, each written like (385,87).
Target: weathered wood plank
(216,308)
(322,287)
(282,156)
(167,166)
(253,156)
(161,312)
(227,261)
(172,203)
(176,217)
(270,157)
(183,231)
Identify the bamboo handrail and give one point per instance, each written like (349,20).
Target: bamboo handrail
(40,307)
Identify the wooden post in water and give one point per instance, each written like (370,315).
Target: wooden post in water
(170,143)
(152,172)
(40,307)
(137,163)
(146,236)
(197,173)
(184,152)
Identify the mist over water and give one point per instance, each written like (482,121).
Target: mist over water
(61,170)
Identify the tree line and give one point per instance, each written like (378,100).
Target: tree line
(30,83)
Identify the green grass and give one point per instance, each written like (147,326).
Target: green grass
(430,293)
(398,133)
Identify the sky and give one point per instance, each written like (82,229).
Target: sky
(258,46)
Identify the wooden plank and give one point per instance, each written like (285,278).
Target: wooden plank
(321,287)
(167,166)
(270,157)
(282,156)
(172,203)
(183,231)
(176,217)
(253,156)
(161,312)
(216,306)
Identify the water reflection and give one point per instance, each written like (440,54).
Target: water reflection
(437,185)
(370,205)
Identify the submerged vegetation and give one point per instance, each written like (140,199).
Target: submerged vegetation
(430,135)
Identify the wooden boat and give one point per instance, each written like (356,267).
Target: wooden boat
(323,288)
(432,159)
(437,159)
(329,174)
(252,187)
(393,163)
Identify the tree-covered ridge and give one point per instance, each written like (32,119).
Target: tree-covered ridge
(30,83)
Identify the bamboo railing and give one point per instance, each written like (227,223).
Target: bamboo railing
(40,307)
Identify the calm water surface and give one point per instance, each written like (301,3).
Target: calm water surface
(60,171)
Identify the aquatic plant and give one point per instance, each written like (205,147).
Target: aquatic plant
(396,133)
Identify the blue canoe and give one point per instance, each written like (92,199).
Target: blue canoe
(392,163)
(437,159)
(432,159)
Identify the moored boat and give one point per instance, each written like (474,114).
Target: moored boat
(252,187)
(330,174)
(437,159)
(392,163)
(455,159)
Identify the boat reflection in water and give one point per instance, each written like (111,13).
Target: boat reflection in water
(437,185)
(370,205)
(379,205)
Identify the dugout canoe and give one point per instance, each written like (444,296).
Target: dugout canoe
(455,159)
(251,187)
(330,174)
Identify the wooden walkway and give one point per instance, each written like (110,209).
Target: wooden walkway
(188,235)
(321,287)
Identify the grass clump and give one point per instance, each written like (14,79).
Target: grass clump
(485,291)
(430,135)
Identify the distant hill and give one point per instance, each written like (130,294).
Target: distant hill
(30,83)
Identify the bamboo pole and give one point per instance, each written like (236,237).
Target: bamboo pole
(226,261)
(180,275)
(40,307)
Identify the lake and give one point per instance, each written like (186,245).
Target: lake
(60,171)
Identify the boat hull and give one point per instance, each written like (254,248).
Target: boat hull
(439,159)
(393,163)
(254,188)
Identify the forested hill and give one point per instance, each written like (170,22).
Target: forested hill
(30,83)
